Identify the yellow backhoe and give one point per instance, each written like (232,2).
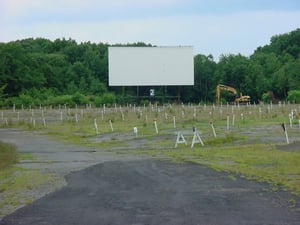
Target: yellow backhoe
(242,99)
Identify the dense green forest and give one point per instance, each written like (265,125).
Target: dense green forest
(40,71)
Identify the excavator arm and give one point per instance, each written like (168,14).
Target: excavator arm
(225,88)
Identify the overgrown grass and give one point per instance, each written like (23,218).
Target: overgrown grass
(8,155)
(246,149)
(21,186)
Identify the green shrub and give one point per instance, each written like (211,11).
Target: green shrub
(266,97)
(26,100)
(294,96)
(79,99)
(60,100)
(106,98)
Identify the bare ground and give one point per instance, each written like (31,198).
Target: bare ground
(106,188)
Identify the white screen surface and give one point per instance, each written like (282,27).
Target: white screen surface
(150,66)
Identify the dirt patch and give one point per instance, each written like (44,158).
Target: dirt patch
(295,146)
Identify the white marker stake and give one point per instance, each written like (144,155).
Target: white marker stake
(174,121)
(227,122)
(111,126)
(44,121)
(180,139)
(123,118)
(233,120)
(96,126)
(135,131)
(291,120)
(285,132)
(61,116)
(155,124)
(213,129)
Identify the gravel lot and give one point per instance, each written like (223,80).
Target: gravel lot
(106,188)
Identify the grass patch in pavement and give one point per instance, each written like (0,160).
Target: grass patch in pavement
(20,186)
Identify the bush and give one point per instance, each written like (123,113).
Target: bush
(80,99)
(26,100)
(266,97)
(294,96)
(60,100)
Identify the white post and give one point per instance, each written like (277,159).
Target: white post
(123,118)
(182,114)
(233,120)
(155,124)
(285,132)
(96,126)
(111,126)
(61,116)
(18,116)
(174,121)
(135,131)
(44,121)
(227,122)
(291,119)
(76,118)
(213,129)
(260,112)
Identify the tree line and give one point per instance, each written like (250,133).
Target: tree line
(40,71)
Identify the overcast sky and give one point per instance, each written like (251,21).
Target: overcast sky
(211,26)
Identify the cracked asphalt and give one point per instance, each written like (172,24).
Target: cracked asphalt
(105,188)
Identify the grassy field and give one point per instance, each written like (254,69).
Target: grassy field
(245,144)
